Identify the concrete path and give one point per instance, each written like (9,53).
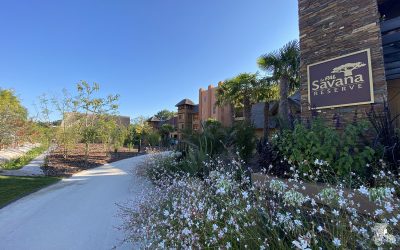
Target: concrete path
(76,213)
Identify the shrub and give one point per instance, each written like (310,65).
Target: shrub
(243,138)
(337,154)
(160,166)
(224,211)
(387,139)
(212,139)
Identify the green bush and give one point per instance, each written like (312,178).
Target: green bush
(169,166)
(243,137)
(211,140)
(335,155)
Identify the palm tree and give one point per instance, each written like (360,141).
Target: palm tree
(267,91)
(239,92)
(283,65)
(224,99)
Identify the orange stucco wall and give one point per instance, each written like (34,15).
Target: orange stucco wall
(209,110)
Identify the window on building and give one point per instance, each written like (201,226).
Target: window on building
(180,117)
(182,126)
(214,109)
(195,127)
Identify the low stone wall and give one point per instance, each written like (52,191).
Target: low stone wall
(13,153)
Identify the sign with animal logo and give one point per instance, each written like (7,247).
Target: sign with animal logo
(341,81)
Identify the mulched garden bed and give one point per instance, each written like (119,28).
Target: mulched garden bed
(58,166)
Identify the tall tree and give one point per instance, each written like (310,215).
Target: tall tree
(67,132)
(239,91)
(165,130)
(138,130)
(9,101)
(13,117)
(92,108)
(283,66)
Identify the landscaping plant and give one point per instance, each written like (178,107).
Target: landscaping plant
(224,211)
(339,155)
(387,139)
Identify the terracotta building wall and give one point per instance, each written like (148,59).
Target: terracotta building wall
(333,28)
(208,108)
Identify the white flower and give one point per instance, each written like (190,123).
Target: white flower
(394,221)
(228,245)
(335,212)
(210,215)
(336,242)
(363,190)
(378,212)
(313,203)
(319,228)
(388,207)
(277,186)
(186,231)
(166,213)
(245,194)
(248,207)
(215,227)
(298,223)
(220,190)
(293,198)
(301,243)
(381,235)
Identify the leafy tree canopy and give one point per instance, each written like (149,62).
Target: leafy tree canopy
(10,102)
(165,114)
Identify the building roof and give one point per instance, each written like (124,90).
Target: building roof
(172,121)
(153,119)
(185,102)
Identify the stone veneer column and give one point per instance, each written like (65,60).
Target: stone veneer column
(332,28)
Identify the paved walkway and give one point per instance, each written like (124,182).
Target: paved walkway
(79,212)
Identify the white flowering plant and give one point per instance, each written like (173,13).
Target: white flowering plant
(225,210)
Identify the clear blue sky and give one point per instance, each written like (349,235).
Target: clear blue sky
(152,52)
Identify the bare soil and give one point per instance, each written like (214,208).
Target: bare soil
(57,165)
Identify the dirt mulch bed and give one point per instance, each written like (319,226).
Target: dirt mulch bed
(75,162)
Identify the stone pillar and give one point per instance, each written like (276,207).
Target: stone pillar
(333,28)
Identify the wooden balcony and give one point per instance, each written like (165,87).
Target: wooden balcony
(391,47)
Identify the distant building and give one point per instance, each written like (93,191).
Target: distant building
(188,116)
(208,109)
(156,124)
(257,113)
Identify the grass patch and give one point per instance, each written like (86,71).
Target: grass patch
(25,159)
(15,187)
